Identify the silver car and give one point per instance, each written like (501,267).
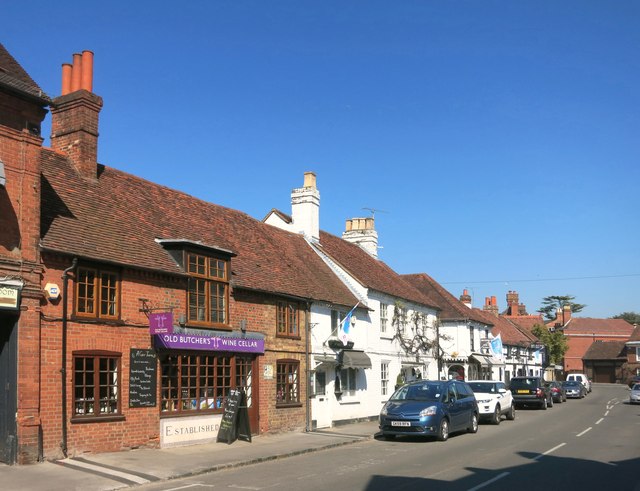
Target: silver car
(634,395)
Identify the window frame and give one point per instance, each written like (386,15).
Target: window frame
(284,312)
(349,381)
(286,384)
(97,386)
(384,308)
(208,280)
(384,378)
(98,292)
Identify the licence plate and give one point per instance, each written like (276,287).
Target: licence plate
(523,392)
(400,423)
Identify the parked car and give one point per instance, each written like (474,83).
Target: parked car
(530,391)
(558,392)
(633,381)
(494,400)
(574,389)
(634,395)
(430,407)
(582,378)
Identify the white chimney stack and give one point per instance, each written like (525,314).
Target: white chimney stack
(305,208)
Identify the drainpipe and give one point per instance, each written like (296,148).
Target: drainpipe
(63,369)
(307,329)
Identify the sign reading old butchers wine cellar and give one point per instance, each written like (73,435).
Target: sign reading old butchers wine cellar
(143,375)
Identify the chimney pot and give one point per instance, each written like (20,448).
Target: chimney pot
(86,79)
(309,180)
(66,78)
(76,72)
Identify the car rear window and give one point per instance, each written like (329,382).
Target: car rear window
(523,383)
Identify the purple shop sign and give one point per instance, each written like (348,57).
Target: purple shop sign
(161,323)
(210,343)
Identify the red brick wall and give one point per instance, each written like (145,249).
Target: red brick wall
(578,346)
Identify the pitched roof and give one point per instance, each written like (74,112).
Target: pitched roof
(509,331)
(14,77)
(450,307)
(526,322)
(606,350)
(369,271)
(635,335)
(118,217)
(588,325)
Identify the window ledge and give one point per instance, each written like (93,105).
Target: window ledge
(284,406)
(97,419)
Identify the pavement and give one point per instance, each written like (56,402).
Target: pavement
(118,470)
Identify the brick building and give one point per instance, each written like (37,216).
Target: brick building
(128,310)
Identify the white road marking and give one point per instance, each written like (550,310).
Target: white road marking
(588,429)
(490,481)
(549,451)
(599,421)
(192,486)
(105,470)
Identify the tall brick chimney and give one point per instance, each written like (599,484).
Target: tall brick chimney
(361,231)
(74,116)
(491,305)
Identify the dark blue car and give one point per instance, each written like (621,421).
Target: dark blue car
(430,408)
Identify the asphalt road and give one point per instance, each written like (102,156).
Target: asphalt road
(593,443)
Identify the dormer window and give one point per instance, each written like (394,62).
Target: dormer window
(208,293)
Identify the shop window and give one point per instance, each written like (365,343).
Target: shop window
(287,382)
(348,381)
(96,384)
(196,383)
(97,293)
(208,292)
(287,320)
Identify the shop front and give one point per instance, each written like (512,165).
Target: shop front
(198,369)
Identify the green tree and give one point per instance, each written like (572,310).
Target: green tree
(630,317)
(554,341)
(552,303)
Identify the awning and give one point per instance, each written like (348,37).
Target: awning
(486,360)
(354,359)
(325,360)
(482,359)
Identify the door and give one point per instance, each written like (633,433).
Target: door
(8,388)
(245,369)
(321,403)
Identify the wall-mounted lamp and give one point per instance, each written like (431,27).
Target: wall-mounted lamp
(182,320)
(243,325)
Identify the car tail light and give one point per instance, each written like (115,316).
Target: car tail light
(539,393)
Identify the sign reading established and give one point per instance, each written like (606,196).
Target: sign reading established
(235,418)
(143,374)
(9,297)
(209,343)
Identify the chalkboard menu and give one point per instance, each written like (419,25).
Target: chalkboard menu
(235,418)
(143,374)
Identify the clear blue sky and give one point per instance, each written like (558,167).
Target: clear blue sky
(501,138)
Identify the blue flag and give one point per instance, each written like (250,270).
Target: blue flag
(345,327)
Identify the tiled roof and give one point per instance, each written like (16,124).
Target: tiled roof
(369,271)
(118,217)
(588,325)
(509,332)
(526,322)
(12,75)
(450,307)
(635,335)
(606,350)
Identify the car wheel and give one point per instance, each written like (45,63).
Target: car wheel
(543,406)
(473,427)
(443,430)
(550,401)
(497,416)
(511,415)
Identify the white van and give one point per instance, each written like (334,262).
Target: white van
(582,378)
